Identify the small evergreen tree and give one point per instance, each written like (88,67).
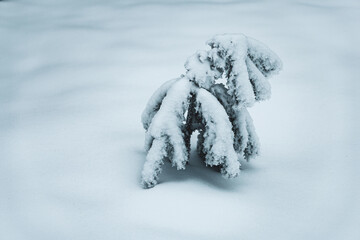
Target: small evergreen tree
(196,101)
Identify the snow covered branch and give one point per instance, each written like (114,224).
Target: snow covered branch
(197,102)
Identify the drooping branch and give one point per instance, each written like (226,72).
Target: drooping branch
(260,84)
(152,108)
(247,65)
(263,57)
(217,144)
(253,144)
(246,142)
(154,103)
(168,121)
(154,160)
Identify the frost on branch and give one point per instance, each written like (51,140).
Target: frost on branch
(217,111)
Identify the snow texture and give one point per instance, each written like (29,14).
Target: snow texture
(74,80)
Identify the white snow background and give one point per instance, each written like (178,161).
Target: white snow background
(76,75)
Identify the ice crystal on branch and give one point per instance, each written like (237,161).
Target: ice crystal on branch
(218,111)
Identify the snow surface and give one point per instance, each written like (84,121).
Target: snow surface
(76,75)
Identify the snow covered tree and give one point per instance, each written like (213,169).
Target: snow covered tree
(198,102)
